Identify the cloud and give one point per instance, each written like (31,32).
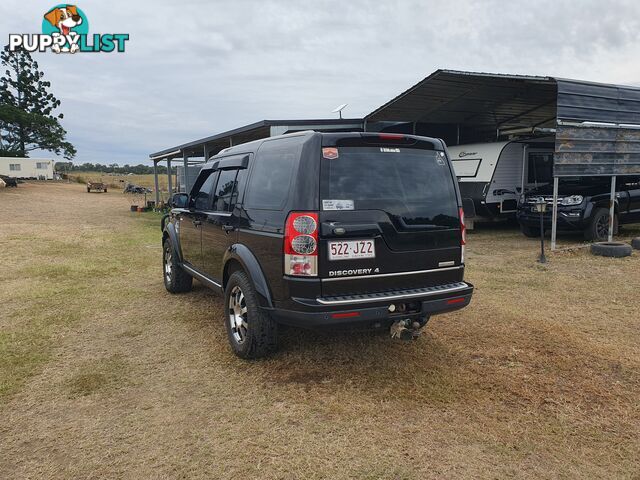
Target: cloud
(196,68)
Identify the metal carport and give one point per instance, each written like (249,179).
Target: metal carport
(596,126)
(198,151)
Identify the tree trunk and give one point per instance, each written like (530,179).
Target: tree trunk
(22,135)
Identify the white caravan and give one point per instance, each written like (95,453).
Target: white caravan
(21,167)
(492,176)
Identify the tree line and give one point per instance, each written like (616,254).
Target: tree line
(140,169)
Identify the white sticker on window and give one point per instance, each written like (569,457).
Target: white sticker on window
(337,204)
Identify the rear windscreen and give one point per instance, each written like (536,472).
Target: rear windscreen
(414,186)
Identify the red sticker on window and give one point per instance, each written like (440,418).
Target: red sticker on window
(330,152)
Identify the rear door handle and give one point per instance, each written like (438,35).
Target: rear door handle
(197,222)
(228,228)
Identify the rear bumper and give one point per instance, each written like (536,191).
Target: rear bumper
(372,311)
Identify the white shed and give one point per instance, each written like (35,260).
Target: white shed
(19,167)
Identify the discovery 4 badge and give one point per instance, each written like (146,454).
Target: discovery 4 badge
(353,271)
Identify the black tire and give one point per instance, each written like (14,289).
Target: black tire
(176,280)
(530,232)
(611,249)
(598,229)
(253,334)
(635,243)
(105,190)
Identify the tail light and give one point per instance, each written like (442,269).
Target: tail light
(463,235)
(301,244)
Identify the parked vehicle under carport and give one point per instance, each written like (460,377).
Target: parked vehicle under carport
(583,205)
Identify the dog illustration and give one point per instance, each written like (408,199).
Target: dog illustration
(64,19)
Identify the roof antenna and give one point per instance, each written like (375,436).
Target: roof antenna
(339,109)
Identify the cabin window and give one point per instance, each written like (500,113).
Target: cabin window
(14,167)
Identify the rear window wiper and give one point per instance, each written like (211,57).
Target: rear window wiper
(421,226)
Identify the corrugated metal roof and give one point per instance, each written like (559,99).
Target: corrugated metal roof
(509,101)
(248,133)
(597,102)
(479,99)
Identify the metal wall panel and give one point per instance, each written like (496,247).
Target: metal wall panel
(583,101)
(597,151)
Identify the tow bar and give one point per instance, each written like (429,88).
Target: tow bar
(406,330)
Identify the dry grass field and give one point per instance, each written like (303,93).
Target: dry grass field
(118,182)
(105,375)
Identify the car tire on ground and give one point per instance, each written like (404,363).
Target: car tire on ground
(530,232)
(176,280)
(252,332)
(635,243)
(611,249)
(598,229)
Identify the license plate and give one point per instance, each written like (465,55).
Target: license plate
(352,249)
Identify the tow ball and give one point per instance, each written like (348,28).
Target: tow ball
(406,329)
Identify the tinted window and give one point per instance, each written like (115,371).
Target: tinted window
(271,175)
(241,181)
(414,186)
(204,185)
(224,191)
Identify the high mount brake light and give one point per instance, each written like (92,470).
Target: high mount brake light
(463,235)
(301,244)
(391,136)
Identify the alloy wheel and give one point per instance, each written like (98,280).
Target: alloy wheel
(168,267)
(602,227)
(238,314)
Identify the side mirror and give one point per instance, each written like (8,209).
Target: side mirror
(180,200)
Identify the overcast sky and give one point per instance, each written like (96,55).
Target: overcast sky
(195,68)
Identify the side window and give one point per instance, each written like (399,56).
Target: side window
(241,182)
(273,167)
(225,191)
(201,194)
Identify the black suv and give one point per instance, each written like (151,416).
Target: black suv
(583,206)
(322,229)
